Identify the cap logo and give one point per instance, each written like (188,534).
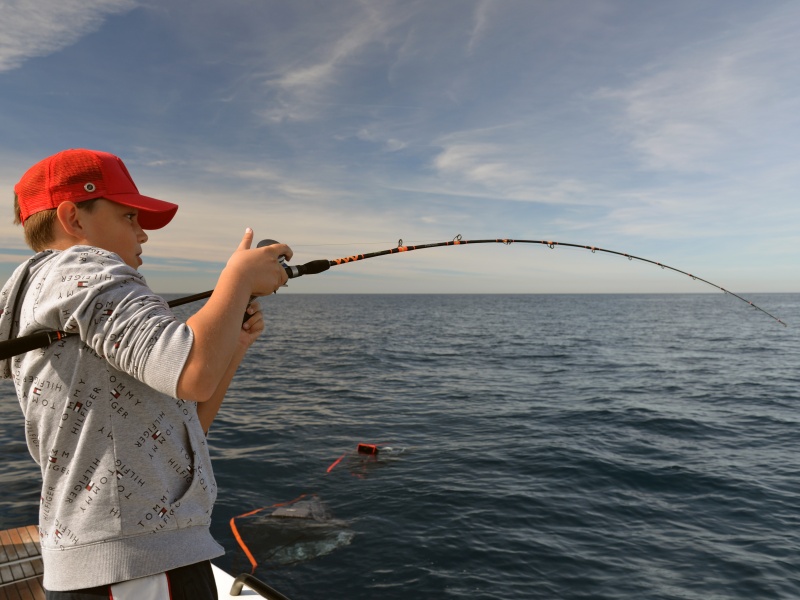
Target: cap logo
(89,187)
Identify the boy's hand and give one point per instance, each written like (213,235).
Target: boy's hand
(249,332)
(253,327)
(217,326)
(259,267)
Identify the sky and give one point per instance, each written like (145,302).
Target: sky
(666,130)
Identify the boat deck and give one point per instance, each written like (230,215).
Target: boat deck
(21,566)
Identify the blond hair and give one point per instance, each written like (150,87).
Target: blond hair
(38,227)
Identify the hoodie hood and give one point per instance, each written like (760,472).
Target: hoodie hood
(11,300)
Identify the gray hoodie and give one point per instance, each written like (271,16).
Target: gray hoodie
(127,485)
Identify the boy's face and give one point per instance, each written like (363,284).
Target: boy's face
(114,227)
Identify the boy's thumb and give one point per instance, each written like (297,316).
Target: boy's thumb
(247,240)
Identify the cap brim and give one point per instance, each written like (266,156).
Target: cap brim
(153,213)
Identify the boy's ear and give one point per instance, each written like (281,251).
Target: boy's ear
(69,217)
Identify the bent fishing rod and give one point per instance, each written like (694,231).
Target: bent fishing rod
(318,266)
(43,339)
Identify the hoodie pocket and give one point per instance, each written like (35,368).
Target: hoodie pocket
(194,506)
(172,489)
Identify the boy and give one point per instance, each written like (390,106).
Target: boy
(116,416)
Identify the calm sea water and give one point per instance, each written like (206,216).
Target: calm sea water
(565,446)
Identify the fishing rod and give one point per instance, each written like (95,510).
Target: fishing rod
(321,265)
(318,266)
(43,339)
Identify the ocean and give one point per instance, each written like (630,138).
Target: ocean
(529,446)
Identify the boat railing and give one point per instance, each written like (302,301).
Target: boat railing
(258,586)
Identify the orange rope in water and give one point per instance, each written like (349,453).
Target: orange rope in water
(238,536)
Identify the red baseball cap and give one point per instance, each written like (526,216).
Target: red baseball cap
(77,175)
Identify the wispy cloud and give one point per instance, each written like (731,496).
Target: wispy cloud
(389,144)
(481,17)
(510,170)
(32,29)
(301,86)
(713,106)
(615,123)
